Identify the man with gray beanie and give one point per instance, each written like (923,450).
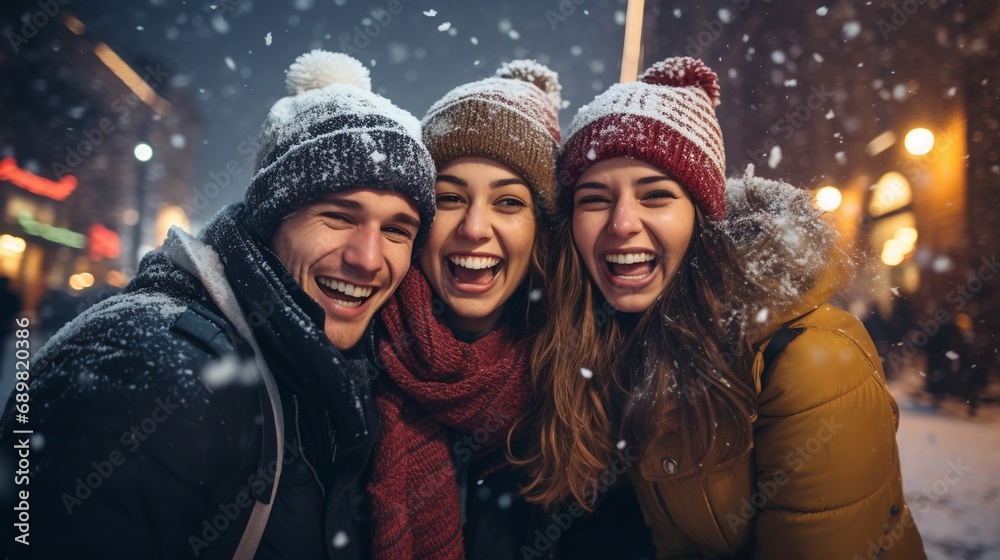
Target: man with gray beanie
(219,407)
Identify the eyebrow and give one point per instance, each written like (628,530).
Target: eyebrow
(346,204)
(407,219)
(493,185)
(643,181)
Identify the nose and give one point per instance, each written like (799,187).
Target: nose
(363,252)
(625,220)
(476,224)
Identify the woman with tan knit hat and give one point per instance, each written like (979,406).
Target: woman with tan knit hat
(691,337)
(456,335)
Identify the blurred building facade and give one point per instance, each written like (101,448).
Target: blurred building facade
(826,93)
(77,203)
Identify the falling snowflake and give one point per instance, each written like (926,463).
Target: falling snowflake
(505,501)
(230,63)
(430,13)
(895,291)
(267,39)
(592,155)
(851,30)
(535,295)
(586,373)
(762,315)
(444,26)
(340,540)
(774,158)
(621,444)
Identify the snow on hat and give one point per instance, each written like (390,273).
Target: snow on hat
(511,118)
(667,119)
(333,134)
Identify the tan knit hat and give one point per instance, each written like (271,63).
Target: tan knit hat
(511,118)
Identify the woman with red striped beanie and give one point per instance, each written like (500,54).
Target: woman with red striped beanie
(691,341)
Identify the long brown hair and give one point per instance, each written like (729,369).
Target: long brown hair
(684,366)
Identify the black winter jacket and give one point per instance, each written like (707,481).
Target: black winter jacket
(152,434)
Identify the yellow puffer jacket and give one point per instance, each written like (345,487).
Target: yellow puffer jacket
(822,479)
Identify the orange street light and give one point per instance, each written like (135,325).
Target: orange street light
(919,141)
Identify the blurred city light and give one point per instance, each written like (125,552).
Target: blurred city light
(135,82)
(12,244)
(81,280)
(143,151)
(907,235)
(828,198)
(892,192)
(881,143)
(171,216)
(116,278)
(919,141)
(892,252)
(903,242)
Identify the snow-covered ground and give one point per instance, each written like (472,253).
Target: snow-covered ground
(951,472)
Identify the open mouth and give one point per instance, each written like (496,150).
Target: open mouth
(474,270)
(346,294)
(630,266)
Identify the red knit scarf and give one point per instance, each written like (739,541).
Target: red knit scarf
(435,382)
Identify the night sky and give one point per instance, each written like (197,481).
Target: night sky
(219,53)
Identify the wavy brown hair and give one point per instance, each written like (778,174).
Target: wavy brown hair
(684,366)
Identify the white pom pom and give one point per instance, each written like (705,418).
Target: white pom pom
(534,73)
(319,68)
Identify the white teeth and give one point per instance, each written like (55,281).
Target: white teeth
(630,258)
(347,289)
(639,277)
(474,263)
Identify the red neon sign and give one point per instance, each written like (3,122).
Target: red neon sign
(57,190)
(104,243)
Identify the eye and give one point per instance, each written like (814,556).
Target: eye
(592,200)
(660,194)
(336,217)
(511,202)
(449,200)
(397,234)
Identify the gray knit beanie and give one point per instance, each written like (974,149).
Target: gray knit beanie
(333,134)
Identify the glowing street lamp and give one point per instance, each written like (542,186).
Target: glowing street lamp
(919,141)
(828,198)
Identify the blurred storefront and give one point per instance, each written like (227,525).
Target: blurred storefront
(98,157)
(894,107)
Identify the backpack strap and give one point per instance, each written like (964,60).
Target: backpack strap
(211,333)
(205,265)
(778,342)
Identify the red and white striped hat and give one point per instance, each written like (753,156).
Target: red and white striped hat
(666,118)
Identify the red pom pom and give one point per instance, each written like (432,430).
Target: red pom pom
(681,71)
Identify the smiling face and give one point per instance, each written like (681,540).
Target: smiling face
(480,245)
(349,252)
(632,225)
